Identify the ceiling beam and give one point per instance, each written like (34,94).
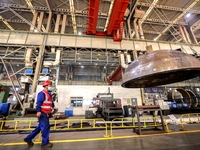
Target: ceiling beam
(45,9)
(177,18)
(165,21)
(6,23)
(168,7)
(151,7)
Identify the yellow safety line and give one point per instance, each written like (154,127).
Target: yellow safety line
(100,139)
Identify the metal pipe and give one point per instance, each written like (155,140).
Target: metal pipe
(140,29)
(130,15)
(193,36)
(182,34)
(49,18)
(135,28)
(187,35)
(13,51)
(123,61)
(16,94)
(40,21)
(34,21)
(63,24)
(57,75)
(56,30)
(14,73)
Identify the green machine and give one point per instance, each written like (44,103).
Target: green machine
(4,93)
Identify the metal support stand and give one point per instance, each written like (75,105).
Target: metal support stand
(149,108)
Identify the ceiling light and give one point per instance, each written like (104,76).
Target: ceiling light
(155,39)
(82,66)
(79,33)
(188,15)
(35,30)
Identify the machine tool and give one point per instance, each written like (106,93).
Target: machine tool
(109,107)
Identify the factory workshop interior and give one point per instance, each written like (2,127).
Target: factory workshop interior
(114,74)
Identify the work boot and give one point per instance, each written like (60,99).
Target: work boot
(29,143)
(49,145)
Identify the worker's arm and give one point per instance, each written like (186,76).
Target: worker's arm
(40,99)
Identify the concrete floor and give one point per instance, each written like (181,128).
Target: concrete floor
(124,139)
(93,140)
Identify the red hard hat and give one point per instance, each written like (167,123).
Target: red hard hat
(45,83)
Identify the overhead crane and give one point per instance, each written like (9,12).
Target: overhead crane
(116,23)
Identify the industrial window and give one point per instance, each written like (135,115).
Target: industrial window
(76,101)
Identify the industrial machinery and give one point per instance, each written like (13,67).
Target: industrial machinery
(4,106)
(110,107)
(34,73)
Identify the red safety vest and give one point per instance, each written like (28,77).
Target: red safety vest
(46,106)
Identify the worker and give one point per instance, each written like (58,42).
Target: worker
(44,107)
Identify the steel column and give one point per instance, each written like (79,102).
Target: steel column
(49,18)
(34,21)
(56,30)
(40,21)
(187,35)
(39,60)
(63,24)
(193,36)
(182,34)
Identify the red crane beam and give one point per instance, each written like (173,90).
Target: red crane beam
(93,16)
(117,19)
(116,76)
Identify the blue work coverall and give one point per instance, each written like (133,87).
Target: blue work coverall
(43,122)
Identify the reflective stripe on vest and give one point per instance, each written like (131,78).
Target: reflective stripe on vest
(47,103)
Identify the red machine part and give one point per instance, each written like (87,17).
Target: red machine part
(93,16)
(115,23)
(116,76)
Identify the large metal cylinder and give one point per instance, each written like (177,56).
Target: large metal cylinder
(193,97)
(159,68)
(187,97)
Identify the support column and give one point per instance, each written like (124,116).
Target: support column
(135,28)
(56,30)
(193,36)
(63,24)
(182,34)
(34,21)
(140,29)
(187,35)
(49,22)
(40,21)
(38,66)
